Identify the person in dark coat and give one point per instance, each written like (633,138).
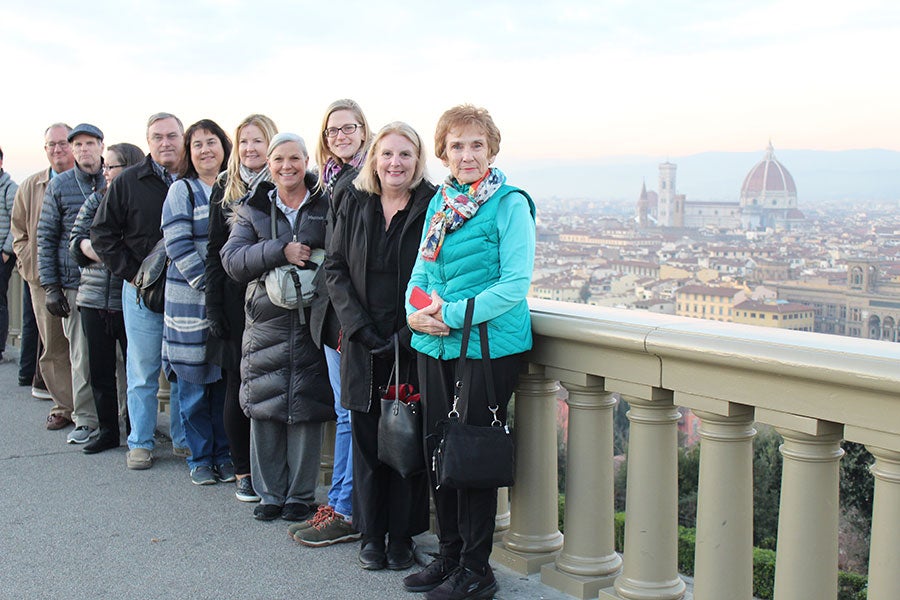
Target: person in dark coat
(247,168)
(371,255)
(284,380)
(100,302)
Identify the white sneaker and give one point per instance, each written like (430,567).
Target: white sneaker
(40,394)
(81,435)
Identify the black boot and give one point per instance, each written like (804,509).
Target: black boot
(106,440)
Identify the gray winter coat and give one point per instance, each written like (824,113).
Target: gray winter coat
(65,195)
(99,288)
(283,374)
(8,189)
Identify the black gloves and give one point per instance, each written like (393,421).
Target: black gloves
(377,345)
(218,325)
(57,305)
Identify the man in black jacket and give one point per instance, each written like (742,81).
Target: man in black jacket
(125,229)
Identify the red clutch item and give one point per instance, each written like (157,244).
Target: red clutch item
(419,298)
(406,393)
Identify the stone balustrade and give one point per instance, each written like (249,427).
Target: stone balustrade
(815,389)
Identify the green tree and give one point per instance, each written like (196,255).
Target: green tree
(766,486)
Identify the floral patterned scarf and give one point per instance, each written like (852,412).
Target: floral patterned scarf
(461,202)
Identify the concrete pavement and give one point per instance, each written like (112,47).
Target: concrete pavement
(79,526)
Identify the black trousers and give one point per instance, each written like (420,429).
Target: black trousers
(31,340)
(383,501)
(102,330)
(465,518)
(6,269)
(237,424)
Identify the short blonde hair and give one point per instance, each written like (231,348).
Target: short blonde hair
(322,151)
(367,180)
(460,117)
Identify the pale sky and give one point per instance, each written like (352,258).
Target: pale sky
(564,80)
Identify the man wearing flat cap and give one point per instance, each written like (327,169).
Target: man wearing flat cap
(58,271)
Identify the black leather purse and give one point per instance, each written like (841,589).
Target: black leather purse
(400,424)
(150,279)
(473,456)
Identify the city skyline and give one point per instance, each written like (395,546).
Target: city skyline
(577,81)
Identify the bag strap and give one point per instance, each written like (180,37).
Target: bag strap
(295,278)
(461,392)
(396,372)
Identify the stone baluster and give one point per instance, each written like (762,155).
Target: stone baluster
(807,552)
(723,562)
(588,561)
(501,520)
(650,568)
(884,556)
(533,538)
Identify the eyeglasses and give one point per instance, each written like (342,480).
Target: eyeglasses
(111,167)
(53,145)
(348,129)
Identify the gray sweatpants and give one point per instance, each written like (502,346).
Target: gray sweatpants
(284,461)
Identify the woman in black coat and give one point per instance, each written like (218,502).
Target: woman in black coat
(371,255)
(247,168)
(284,380)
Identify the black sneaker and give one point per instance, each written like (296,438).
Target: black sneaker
(224,472)
(266,512)
(297,511)
(431,576)
(244,490)
(465,584)
(202,475)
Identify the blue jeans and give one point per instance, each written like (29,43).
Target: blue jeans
(339,496)
(202,409)
(143,327)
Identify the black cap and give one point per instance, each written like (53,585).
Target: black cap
(85,128)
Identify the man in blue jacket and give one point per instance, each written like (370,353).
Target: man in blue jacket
(58,272)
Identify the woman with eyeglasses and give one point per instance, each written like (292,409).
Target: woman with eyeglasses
(99,300)
(185,227)
(224,296)
(340,150)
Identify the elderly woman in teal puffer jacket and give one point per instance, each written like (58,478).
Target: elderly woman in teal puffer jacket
(478,243)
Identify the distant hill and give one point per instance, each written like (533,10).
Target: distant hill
(819,175)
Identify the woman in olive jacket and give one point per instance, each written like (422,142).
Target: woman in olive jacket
(371,255)
(284,379)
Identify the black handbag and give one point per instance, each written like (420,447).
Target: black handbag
(400,424)
(473,456)
(150,279)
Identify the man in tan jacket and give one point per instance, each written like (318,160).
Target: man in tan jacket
(55,366)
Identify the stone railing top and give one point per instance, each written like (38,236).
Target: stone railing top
(812,376)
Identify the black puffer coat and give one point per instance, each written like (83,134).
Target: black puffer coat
(347,276)
(283,374)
